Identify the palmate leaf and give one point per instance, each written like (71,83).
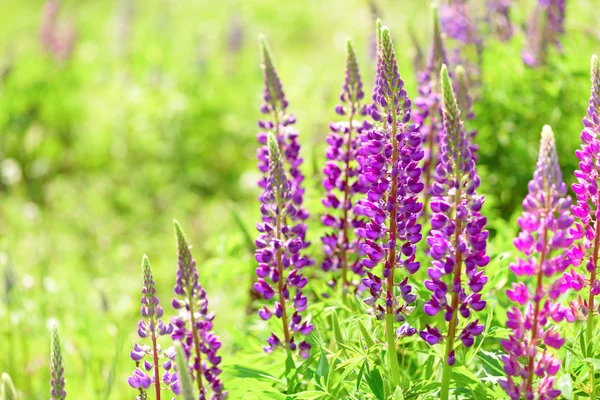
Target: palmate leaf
(322,370)
(242,371)
(349,366)
(375,382)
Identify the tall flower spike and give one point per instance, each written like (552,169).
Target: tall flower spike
(393,151)
(146,357)
(280,124)
(343,180)
(193,324)
(499,19)
(543,239)
(429,104)
(460,26)
(278,253)
(457,240)
(586,232)
(57,377)
(546,25)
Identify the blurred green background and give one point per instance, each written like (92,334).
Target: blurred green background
(152,116)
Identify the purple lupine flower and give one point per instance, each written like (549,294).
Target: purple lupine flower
(458,237)
(278,253)
(499,19)
(374,36)
(235,37)
(392,203)
(543,239)
(57,40)
(57,372)
(193,324)
(146,357)
(545,27)
(460,26)
(343,178)
(280,124)
(429,104)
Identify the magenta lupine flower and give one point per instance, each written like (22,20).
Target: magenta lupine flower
(280,124)
(343,179)
(57,372)
(543,239)
(151,326)
(193,324)
(279,257)
(57,40)
(586,235)
(392,203)
(499,19)
(545,27)
(458,237)
(429,104)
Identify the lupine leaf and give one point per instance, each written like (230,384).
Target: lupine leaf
(187,389)
(339,337)
(565,385)
(322,370)
(366,335)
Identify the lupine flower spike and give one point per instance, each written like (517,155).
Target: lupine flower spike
(392,202)
(146,357)
(343,178)
(280,124)
(586,232)
(429,104)
(499,19)
(457,240)
(460,26)
(465,104)
(543,239)
(57,377)
(279,258)
(545,27)
(193,324)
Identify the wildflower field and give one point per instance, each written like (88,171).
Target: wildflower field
(260,199)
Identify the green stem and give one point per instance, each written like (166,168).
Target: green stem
(446,375)
(591,306)
(392,356)
(590,336)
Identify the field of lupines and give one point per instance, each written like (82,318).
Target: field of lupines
(427,232)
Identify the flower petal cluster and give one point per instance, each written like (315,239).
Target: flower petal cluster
(458,237)
(278,253)
(543,239)
(193,324)
(343,179)
(151,326)
(393,153)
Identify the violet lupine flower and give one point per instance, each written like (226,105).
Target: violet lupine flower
(546,25)
(392,203)
(193,324)
(57,40)
(458,237)
(459,25)
(146,357)
(543,239)
(499,19)
(429,104)
(343,179)
(57,377)
(279,257)
(280,124)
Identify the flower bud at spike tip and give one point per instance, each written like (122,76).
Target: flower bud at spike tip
(57,378)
